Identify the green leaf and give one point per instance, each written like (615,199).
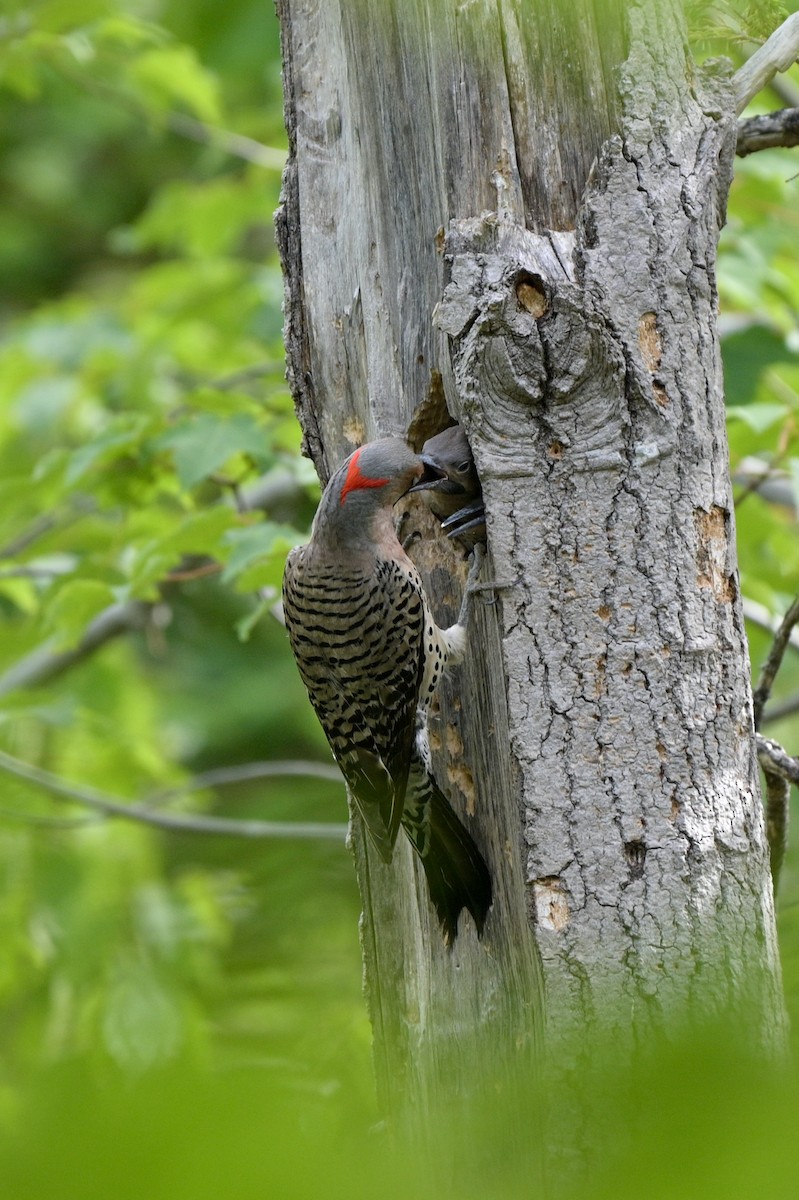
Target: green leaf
(202,444)
(173,75)
(119,441)
(257,550)
(758,417)
(247,624)
(142,1024)
(201,533)
(57,16)
(74,607)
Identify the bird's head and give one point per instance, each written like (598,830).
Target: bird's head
(373,478)
(448,465)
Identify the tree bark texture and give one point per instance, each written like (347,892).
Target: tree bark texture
(513,209)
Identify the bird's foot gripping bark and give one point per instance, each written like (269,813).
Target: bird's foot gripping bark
(478,558)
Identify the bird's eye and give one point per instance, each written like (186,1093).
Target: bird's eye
(464,466)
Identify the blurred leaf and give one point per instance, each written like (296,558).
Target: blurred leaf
(74,606)
(203,444)
(121,439)
(758,417)
(142,1023)
(172,75)
(257,545)
(199,533)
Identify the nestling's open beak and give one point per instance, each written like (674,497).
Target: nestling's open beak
(435,477)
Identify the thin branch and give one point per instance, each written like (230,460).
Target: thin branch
(235,144)
(777,54)
(778,796)
(767,131)
(202,571)
(780,771)
(235,379)
(773,662)
(244,772)
(44,663)
(781,709)
(113,806)
(79,507)
(773,757)
(38,529)
(761,616)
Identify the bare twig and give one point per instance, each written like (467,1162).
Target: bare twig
(782,708)
(773,757)
(767,131)
(777,54)
(245,772)
(235,379)
(761,616)
(44,663)
(235,144)
(780,771)
(113,806)
(778,795)
(39,528)
(187,574)
(79,507)
(772,664)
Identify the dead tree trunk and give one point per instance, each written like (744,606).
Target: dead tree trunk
(445,236)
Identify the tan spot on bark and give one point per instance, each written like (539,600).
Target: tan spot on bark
(354,431)
(551,905)
(454,742)
(532,298)
(649,341)
(603,612)
(555,450)
(430,415)
(661,749)
(601,667)
(661,395)
(711,553)
(461,777)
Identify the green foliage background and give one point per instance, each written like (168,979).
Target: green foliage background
(180,1014)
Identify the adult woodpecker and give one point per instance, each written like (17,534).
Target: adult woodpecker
(370,654)
(451,487)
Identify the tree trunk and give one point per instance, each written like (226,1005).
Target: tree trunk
(599,739)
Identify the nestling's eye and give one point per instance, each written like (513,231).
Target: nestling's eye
(464,466)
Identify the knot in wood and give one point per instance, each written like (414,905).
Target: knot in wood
(532,295)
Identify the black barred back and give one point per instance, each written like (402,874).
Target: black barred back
(357,638)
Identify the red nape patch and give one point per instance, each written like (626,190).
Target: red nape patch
(356,480)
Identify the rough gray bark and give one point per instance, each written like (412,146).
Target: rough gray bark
(601,733)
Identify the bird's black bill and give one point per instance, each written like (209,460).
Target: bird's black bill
(435,477)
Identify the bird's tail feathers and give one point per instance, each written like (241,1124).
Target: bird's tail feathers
(457,875)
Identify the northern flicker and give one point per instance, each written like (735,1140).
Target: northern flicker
(370,654)
(451,488)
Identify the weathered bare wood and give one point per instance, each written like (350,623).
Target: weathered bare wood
(779,53)
(768,130)
(601,732)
